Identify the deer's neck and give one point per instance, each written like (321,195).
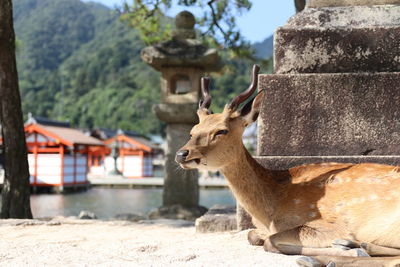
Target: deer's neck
(253,186)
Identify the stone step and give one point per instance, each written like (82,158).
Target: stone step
(332,50)
(330,114)
(286,162)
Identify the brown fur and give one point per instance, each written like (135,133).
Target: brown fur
(304,209)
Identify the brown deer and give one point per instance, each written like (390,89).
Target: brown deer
(335,211)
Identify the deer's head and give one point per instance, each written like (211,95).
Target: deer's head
(217,138)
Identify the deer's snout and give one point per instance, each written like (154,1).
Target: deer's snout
(181,155)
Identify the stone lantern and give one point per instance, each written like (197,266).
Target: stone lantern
(182,61)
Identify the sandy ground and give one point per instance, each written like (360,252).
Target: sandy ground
(71,242)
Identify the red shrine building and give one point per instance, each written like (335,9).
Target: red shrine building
(58,154)
(135,156)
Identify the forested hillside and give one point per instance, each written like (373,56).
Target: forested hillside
(78,62)
(265,48)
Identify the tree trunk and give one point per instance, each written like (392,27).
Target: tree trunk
(300,5)
(15,194)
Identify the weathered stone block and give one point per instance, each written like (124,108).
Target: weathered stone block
(346,17)
(340,39)
(330,3)
(330,114)
(286,162)
(177,212)
(315,50)
(217,219)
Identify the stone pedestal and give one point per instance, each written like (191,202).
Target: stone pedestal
(335,93)
(330,114)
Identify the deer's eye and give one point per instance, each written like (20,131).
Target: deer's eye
(221,132)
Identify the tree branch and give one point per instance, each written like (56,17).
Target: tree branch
(215,20)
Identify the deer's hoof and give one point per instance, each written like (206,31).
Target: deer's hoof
(308,262)
(254,239)
(360,252)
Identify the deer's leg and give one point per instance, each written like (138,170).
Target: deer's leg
(256,237)
(310,241)
(354,262)
(375,250)
(371,249)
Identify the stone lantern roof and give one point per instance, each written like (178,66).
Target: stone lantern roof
(183,50)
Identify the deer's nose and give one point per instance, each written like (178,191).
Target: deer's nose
(181,155)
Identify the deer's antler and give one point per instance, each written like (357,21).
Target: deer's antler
(205,90)
(246,94)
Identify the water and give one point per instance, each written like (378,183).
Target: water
(106,203)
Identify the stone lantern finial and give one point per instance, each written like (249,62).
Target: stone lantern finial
(184,23)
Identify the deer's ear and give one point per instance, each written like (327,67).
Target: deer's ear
(250,111)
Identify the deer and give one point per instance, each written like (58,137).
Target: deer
(331,213)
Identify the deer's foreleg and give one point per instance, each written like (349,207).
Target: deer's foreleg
(353,262)
(256,237)
(372,249)
(310,240)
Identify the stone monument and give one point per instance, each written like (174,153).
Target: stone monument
(334,95)
(182,61)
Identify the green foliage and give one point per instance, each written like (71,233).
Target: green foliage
(147,20)
(78,62)
(217,25)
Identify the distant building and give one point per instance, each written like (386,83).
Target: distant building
(57,154)
(135,154)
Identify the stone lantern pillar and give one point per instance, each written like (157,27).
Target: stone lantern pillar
(182,61)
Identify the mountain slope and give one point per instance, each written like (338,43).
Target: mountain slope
(264,49)
(78,62)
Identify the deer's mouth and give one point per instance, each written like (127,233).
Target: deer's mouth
(190,164)
(197,161)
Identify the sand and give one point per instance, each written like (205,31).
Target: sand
(73,242)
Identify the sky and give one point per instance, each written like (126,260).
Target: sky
(256,25)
